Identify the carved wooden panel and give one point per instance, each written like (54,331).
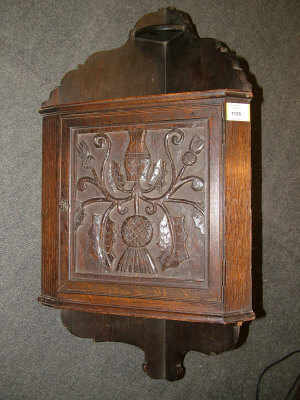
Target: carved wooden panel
(139,199)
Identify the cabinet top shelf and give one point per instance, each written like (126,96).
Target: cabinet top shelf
(163,54)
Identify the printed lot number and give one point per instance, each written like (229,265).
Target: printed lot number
(237,112)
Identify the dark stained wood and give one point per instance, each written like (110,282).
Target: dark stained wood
(161,100)
(122,256)
(157,295)
(163,54)
(164,342)
(50,206)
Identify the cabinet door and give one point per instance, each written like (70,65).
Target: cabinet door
(143,226)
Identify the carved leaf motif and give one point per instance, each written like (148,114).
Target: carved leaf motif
(172,242)
(116,178)
(199,222)
(110,178)
(94,234)
(84,153)
(165,239)
(79,215)
(109,238)
(157,179)
(99,255)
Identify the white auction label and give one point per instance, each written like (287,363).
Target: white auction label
(237,112)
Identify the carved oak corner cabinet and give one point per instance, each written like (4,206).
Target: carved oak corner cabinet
(146,196)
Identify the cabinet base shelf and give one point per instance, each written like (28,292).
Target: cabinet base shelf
(164,342)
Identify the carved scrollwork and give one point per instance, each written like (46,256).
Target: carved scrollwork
(147,186)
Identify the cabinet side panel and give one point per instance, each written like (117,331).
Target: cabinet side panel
(50,205)
(238,216)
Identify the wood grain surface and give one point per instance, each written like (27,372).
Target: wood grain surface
(224,293)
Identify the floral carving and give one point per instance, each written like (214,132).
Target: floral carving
(142,180)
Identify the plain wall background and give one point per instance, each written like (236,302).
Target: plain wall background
(40,41)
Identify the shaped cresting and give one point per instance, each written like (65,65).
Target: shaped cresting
(146,195)
(147,188)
